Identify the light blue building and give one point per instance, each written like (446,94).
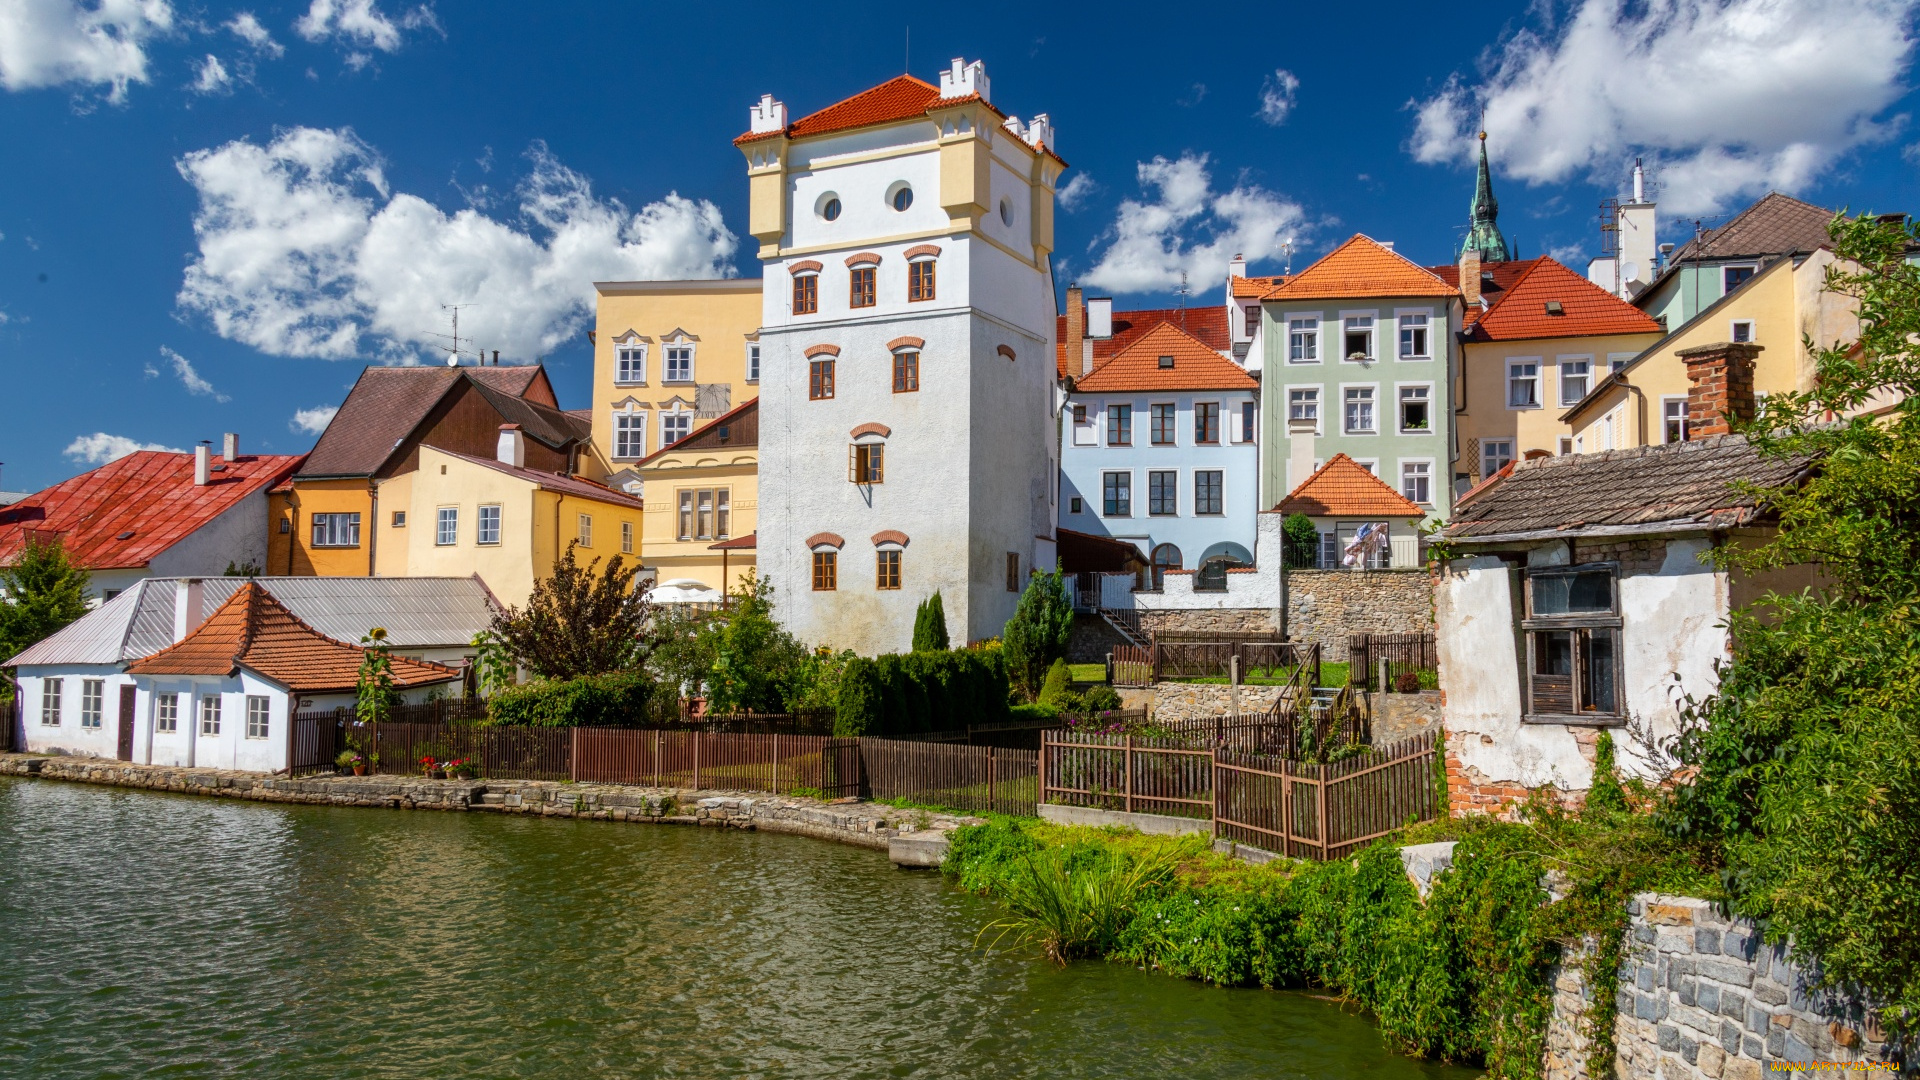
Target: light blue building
(1161,448)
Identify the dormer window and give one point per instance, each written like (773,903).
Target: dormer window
(1166,363)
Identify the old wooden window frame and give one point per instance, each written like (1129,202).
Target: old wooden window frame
(826,571)
(806,294)
(1583,628)
(886,568)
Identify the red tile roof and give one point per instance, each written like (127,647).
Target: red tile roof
(902,97)
(1495,278)
(1361,267)
(1521,313)
(255,631)
(1195,366)
(1208,324)
(124,513)
(1343,487)
(1248,287)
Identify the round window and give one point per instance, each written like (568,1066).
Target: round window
(1006,212)
(901,197)
(828,206)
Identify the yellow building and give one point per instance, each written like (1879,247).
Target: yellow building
(703,499)
(1538,336)
(460,514)
(1777,309)
(666,356)
(322,521)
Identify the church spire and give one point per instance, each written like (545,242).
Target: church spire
(1483,233)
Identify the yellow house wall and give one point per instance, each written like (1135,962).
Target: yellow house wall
(723,315)
(661,548)
(526,551)
(1785,304)
(1487,415)
(293,553)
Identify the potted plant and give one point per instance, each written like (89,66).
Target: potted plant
(350,759)
(432,768)
(461,769)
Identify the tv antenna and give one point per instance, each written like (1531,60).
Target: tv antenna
(453,350)
(1286,248)
(1183,299)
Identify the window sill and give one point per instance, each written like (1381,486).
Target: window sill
(618,382)
(1574,720)
(1417,359)
(334,547)
(678,382)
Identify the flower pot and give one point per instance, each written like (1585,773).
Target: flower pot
(437,774)
(359,770)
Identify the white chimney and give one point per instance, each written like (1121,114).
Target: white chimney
(963,79)
(768,116)
(1238,267)
(1388,244)
(1040,132)
(513,447)
(1099,317)
(202,465)
(188,597)
(230,446)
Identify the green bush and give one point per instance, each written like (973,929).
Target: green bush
(902,694)
(1055,686)
(1102,698)
(1300,542)
(1037,634)
(930,625)
(619,699)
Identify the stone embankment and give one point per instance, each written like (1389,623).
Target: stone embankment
(913,837)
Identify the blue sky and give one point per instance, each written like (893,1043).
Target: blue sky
(218,212)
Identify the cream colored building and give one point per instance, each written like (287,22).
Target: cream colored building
(668,355)
(1779,309)
(703,501)
(458,514)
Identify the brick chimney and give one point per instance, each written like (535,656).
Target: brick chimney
(1470,277)
(1076,330)
(1720,378)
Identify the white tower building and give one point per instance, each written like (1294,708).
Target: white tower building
(908,437)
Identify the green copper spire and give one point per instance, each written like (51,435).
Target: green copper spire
(1483,234)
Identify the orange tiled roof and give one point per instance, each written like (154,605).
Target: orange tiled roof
(254,631)
(902,97)
(1208,324)
(1195,366)
(126,512)
(1361,267)
(1249,287)
(1343,487)
(1586,308)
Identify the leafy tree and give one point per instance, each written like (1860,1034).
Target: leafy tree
(40,592)
(1300,542)
(579,621)
(1808,754)
(930,625)
(755,660)
(375,697)
(1037,634)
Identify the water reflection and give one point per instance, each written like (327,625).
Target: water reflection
(151,934)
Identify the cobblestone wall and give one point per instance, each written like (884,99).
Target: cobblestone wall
(1209,620)
(1186,701)
(863,824)
(1091,640)
(1701,996)
(1329,606)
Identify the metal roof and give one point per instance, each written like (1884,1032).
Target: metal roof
(416,612)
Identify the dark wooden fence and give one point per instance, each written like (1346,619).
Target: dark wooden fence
(1402,652)
(1194,658)
(941,774)
(1261,800)
(1130,665)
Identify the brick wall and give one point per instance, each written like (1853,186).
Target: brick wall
(1634,556)
(1329,606)
(1469,791)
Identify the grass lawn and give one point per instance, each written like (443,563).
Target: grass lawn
(1087,673)
(1334,675)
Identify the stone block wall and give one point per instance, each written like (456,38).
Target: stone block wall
(1091,640)
(1701,996)
(1208,620)
(1401,716)
(1329,606)
(1188,701)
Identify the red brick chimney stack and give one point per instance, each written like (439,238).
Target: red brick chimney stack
(1721,386)
(1076,328)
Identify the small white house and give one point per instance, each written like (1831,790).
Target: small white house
(112,684)
(1579,597)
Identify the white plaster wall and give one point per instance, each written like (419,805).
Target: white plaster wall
(1260,589)
(238,536)
(231,748)
(862,189)
(68,737)
(1672,625)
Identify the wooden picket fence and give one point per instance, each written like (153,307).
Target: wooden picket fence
(1181,658)
(1261,800)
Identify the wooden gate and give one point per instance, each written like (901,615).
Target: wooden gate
(1324,811)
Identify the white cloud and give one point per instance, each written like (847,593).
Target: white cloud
(313,421)
(303,251)
(212,76)
(248,29)
(1277,96)
(100,448)
(361,22)
(1076,193)
(1187,226)
(55,42)
(1727,98)
(190,378)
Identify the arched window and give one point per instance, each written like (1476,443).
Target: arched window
(1165,557)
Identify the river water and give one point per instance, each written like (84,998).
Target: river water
(155,935)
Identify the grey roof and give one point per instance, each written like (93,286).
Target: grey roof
(1672,487)
(416,612)
(1774,225)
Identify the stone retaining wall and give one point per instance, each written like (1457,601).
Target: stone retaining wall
(1402,716)
(1329,606)
(1091,640)
(851,822)
(1187,701)
(1208,620)
(1701,996)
